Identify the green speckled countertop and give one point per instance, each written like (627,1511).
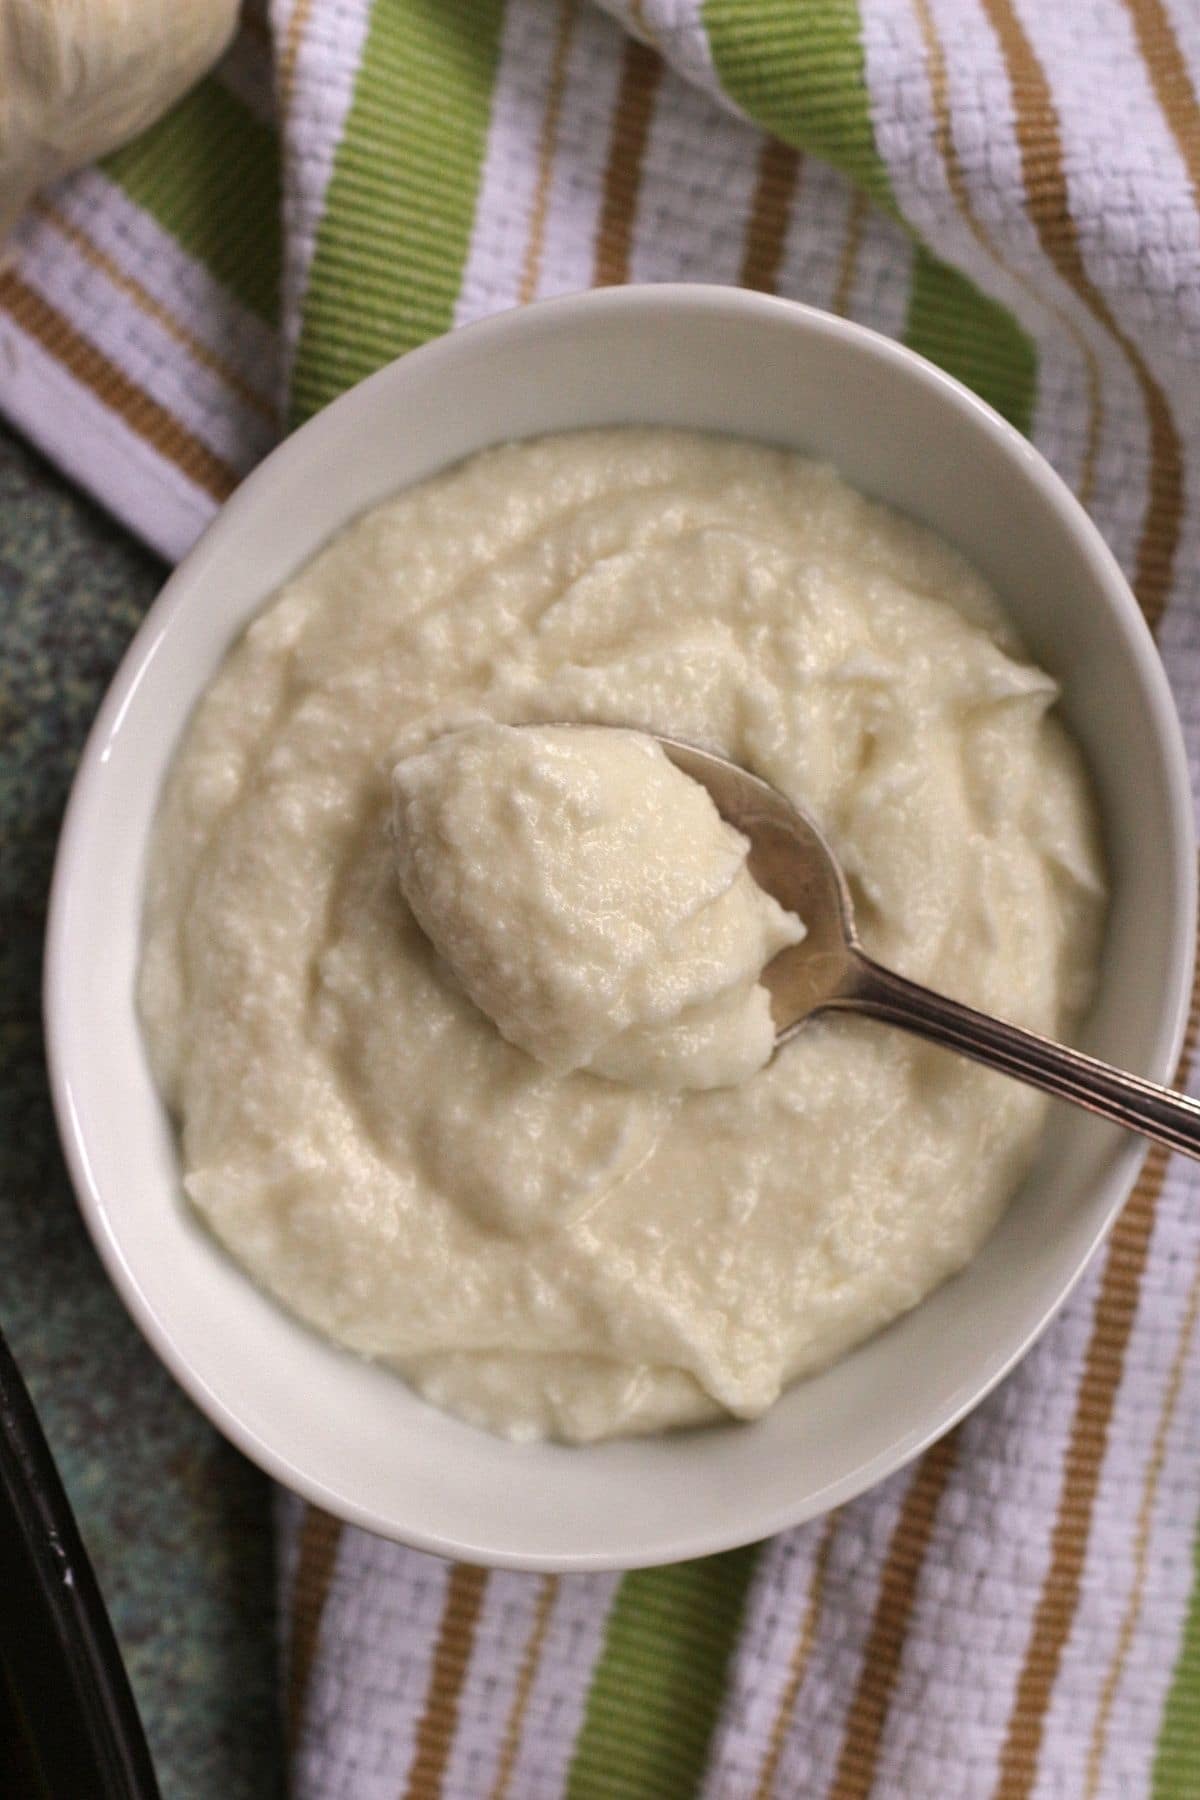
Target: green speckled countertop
(177,1523)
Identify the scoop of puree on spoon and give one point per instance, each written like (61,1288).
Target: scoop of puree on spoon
(828,971)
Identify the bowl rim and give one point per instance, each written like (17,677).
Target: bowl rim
(661,302)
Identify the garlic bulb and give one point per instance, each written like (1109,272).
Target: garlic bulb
(79,77)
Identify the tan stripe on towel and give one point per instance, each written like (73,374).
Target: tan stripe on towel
(774,191)
(1141,1542)
(939,89)
(290,54)
(851,245)
(1171,81)
(465,1588)
(536,241)
(898,1580)
(1040,145)
(1059,1597)
(316,1558)
(641,74)
(530,1663)
(1104,1362)
(110,384)
(154,309)
(798,1662)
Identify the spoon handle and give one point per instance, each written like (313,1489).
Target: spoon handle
(1142,1106)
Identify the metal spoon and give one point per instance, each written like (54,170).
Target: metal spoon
(828,971)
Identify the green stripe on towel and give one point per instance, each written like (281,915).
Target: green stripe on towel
(1177,1760)
(797,68)
(396,230)
(208,173)
(971,337)
(658,1685)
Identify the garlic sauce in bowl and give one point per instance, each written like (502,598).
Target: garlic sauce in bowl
(540,1228)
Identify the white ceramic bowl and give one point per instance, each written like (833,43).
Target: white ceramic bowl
(352,1437)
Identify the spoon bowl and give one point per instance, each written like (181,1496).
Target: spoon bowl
(790,860)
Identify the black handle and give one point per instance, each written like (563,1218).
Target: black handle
(69,1723)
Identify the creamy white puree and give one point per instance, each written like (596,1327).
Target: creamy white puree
(543,1249)
(591,901)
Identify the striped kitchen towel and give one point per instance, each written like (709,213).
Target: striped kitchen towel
(1012,189)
